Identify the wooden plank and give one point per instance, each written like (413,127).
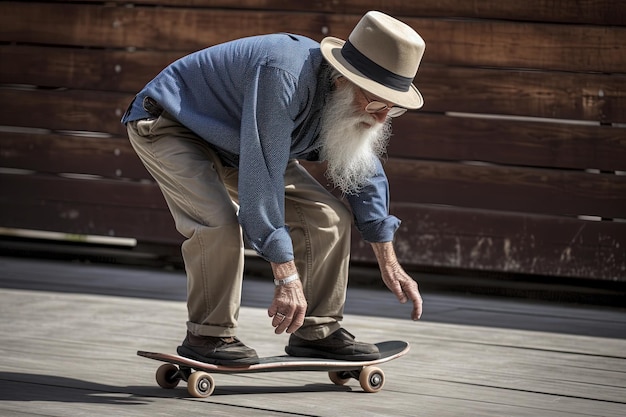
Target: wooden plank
(95,111)
(85,190)
(577,96)
(453,42)
(416,135)
(122,27)
(523,45)
(458,238)
(492,187)
(548,94)
(80,206)
(79,68)
(421,135)
(515,189)
(109,157)
(581,11)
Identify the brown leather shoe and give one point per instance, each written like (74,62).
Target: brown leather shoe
(339,345)
(228,351)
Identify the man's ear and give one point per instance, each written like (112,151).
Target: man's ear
(340,81)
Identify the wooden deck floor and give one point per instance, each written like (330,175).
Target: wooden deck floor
(69,333)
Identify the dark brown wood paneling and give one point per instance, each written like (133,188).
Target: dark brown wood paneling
(524,143)
(78,68)
(79,206)
(153,28)
(523,45)
(507,242)
(497,187)
(513,208)
(508,188)
(453,42)
(96,111)
(548,94)
(109,157)
(491,187)
(608,12)
(131,194)
(576,96)
(432,236)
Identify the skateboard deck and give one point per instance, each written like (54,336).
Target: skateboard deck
(201,384)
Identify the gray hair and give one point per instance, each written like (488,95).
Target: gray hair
(334,74)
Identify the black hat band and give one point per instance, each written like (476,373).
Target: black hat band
(374,71)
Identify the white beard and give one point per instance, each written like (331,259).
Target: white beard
(350,148)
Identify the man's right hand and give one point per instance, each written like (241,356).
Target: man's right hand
(288,308)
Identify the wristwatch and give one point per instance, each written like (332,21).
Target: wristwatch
(285,281)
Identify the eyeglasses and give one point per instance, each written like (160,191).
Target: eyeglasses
(374,106)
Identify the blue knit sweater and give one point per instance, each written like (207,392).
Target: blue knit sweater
(258,102)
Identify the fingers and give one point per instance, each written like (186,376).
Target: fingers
(288,308)
(399,292)
(416,314)
(289,323)
(406,290)
(280,322)
(397,289)
(297,321)
(412,293)
(398,281)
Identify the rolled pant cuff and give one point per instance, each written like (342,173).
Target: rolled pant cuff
(318,331)
(213,331)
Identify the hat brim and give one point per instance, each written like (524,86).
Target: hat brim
(331,50)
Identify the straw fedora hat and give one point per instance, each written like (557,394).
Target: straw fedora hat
(382,56)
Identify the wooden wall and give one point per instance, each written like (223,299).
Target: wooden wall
(515,164)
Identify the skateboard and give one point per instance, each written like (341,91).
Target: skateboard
(201,384)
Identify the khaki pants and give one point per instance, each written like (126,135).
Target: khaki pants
(202,196)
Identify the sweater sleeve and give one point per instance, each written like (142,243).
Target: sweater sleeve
(266,127)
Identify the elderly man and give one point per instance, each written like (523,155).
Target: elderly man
(222,130)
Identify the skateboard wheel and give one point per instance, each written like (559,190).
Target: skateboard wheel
(372,379)
(166,376)
(200,384)
(339,377)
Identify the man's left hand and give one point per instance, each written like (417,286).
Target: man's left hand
(396,279)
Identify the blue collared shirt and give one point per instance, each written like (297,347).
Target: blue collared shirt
(258,102)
